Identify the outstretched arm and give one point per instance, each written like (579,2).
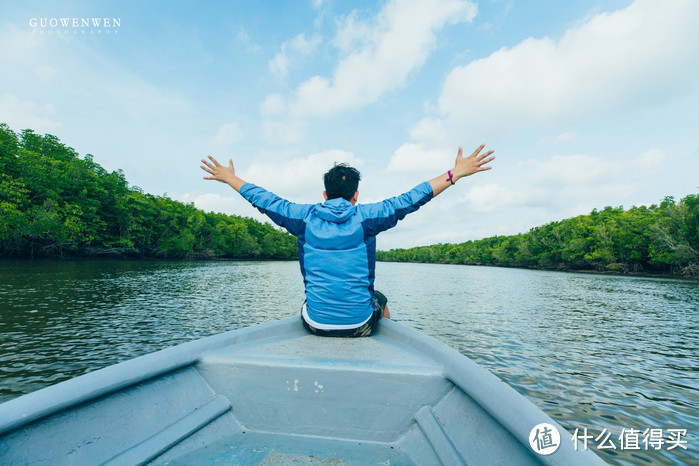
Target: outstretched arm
(223,174)
(282,212)
(464,166)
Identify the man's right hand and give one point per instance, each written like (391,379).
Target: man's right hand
(220,173)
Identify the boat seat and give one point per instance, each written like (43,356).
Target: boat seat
(310,351)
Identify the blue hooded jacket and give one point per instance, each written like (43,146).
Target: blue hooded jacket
(337,247)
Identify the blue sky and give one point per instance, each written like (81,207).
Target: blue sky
(586,103)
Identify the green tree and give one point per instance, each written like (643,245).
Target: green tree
(54,203)
(662,238)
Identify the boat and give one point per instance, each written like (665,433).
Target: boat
(274,394)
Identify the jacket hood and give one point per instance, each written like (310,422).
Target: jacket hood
(336,210)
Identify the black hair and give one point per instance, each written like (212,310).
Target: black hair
(341,181)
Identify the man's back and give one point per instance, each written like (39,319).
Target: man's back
(337,248)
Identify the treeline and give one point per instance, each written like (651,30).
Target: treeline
(661,238)
(55,203)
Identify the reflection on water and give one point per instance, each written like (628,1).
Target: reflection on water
(62,319)
(592,351)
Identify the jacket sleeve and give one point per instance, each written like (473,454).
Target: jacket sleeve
(383,215)
(284,213)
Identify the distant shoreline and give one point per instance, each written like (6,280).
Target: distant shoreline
(79,258)
(563,270)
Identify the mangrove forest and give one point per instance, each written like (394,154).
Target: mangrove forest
(54,203)
(660,239)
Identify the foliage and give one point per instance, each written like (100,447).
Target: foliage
(54,203)
(661,238)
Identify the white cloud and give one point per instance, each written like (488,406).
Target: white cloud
(651,159)
(428,129)
(381,53)
(22,114)
(45,72)
(279,64)
(352,33)
(283,131)
(212,202)
(273,105)
(567,185)
(299,46)
(295,178)
(139,99)
(493,197)
(417,158)
(559,187)
(25,46)
(640,55)
(572,170)
(567,137)
(227,133)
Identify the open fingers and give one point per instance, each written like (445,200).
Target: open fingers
(483,156)
(210,165)
(477,151)
(482,161)
(213,162)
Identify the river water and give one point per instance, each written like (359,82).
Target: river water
(613,355)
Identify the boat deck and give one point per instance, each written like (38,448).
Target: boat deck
(274,394)
(303,398)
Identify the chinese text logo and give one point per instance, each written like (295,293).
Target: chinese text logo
(544,439)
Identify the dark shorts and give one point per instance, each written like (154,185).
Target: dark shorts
(363,331)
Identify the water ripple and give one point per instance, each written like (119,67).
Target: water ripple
(592,351)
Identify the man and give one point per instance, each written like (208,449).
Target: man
(337,239)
